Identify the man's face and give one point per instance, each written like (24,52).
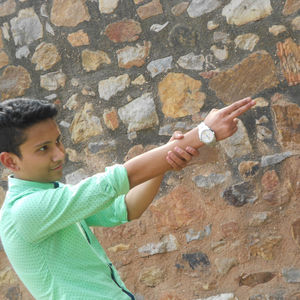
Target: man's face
(42,153)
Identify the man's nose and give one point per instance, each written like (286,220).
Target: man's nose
(59,153)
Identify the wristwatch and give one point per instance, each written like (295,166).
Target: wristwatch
(206,135)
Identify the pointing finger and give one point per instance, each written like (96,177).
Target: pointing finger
(236,105)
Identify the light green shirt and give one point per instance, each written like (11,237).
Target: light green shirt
(44,228)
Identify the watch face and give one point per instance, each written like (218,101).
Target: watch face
(207,136)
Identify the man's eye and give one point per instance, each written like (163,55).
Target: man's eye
(44,148)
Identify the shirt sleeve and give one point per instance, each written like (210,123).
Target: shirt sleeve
(114,215)
(44,212)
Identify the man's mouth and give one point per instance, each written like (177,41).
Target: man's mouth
(59,167)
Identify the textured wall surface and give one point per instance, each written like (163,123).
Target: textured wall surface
(125,75)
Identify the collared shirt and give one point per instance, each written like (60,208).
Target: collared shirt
(45,233)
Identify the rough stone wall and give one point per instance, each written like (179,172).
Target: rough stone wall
(125,75)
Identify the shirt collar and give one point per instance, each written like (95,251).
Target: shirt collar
(19,184)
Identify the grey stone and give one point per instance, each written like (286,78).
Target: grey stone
(139,114)
(198,8)
(49,29)
(158,66)
(192,62)
(110,87)
(65,124)
(227,296)
(158,27)
(238,144)
(191,235)
(76,176)
(264,133)
(239,194)
(102,146)
(198,259)
(291,275)
(53,81)
(240,12)
(211,180)
(26,28)
(51,97)
(271,160)
(167,244)
(221,37)
(22,52)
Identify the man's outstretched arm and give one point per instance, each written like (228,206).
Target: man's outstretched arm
(141,196)
(153,163)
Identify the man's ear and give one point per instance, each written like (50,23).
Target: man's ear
(9,161)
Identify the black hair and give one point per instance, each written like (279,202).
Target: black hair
(16,115)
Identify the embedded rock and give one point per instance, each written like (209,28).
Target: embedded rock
(289,53)
(152,276)
(192,62)
(7,8)
(290,7)
(110,87)
(45,56)
(238,144)
(254,279)
(53,81)
(14,82)
(287,121)
(78,38)
(198,8)
(161,65)
(253,75)
(133,56)
(85,125)
(26,28)
(180,95)
(150,9)
(239,194)
(240,12)
(69,13)
(246,41)
(92,60)
(140,113)
(108,6)
(123,31)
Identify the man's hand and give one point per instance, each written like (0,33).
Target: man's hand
(179,158)
(224,121)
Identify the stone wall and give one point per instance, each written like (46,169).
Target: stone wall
(125,75)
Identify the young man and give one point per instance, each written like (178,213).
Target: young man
(44,224)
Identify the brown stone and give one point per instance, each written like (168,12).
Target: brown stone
(270,181)
(152,276)
(14,82)
(92,60)
(248,169)
(110,117)
(179,8)
(45,56)
(254,279)
(230,229)
(172,212)
(85,125)
(253,75)
(7,8)
(2,196)
(69,13)
(133,56)
(295,228)
(180,95)
(123,31)
(290,7)
(265,248)
(150,9)
(287,121)
(4,59)
(78,38)
(289,54)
